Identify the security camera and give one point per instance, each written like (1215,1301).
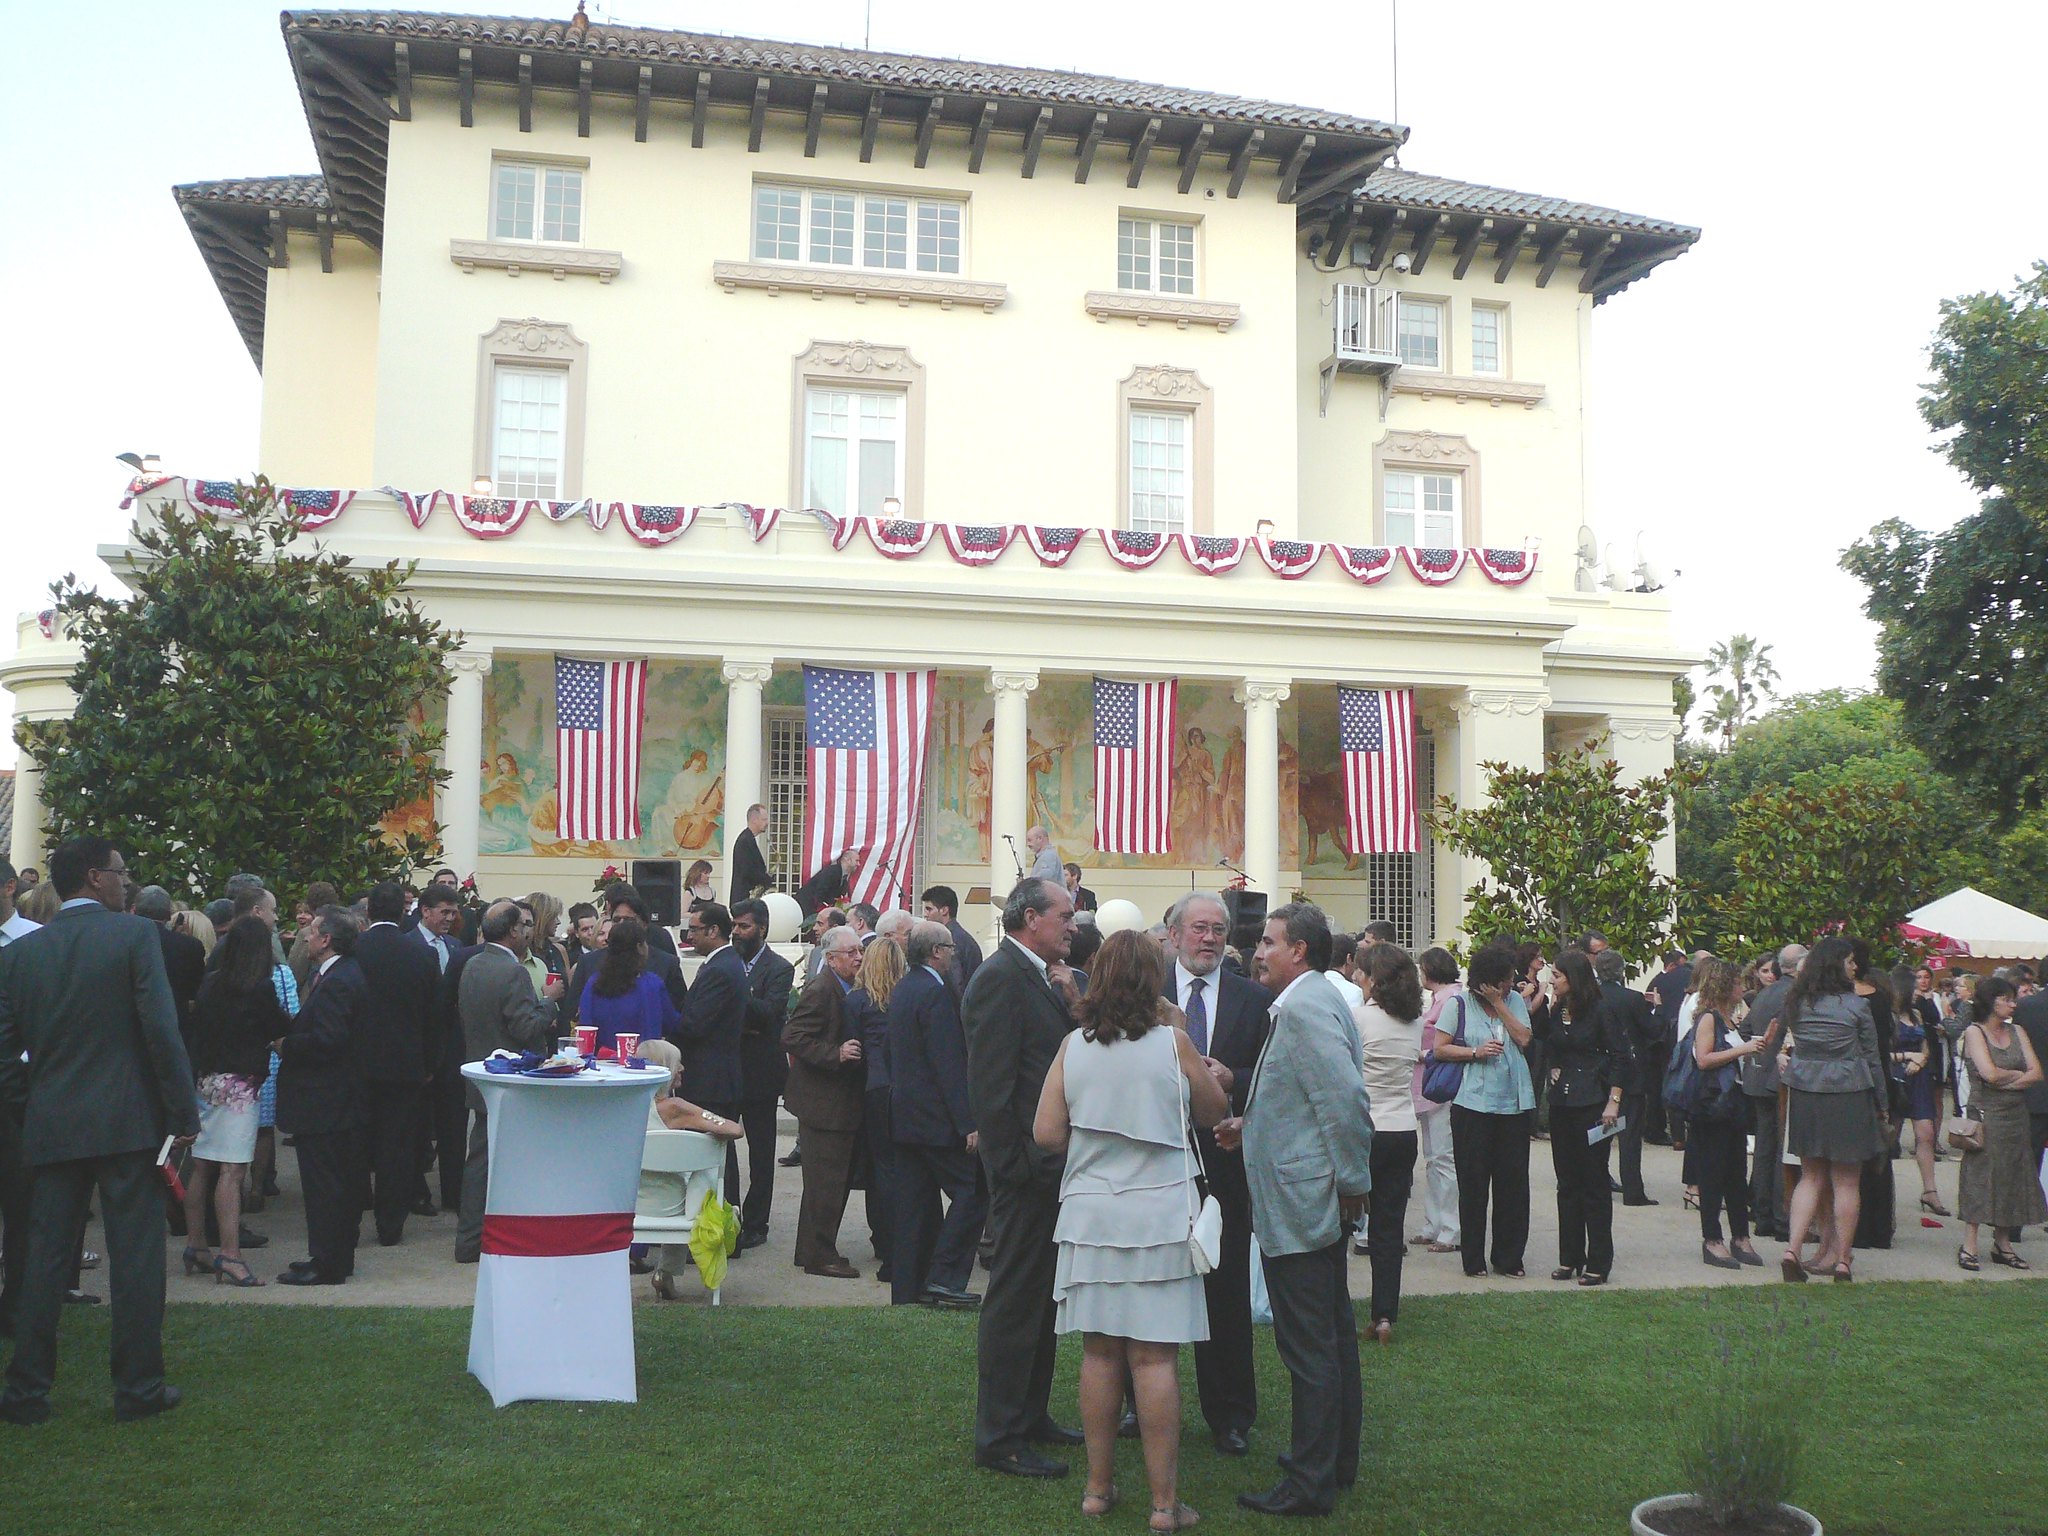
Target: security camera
(1403,262)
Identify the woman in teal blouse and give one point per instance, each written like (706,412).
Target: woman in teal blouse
(1491,1118)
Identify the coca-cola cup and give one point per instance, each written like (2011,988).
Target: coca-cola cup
(586,1039)
(628,1046)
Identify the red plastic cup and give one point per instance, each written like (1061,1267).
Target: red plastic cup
(586,1039)
(628,1046)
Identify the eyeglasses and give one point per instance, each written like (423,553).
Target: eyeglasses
(945,946)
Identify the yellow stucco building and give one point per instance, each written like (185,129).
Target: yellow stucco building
(579,270)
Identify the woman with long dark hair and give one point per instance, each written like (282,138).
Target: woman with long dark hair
(1590,1063)
(1390,1035)
(867,1010)
(1836,1087)
(1117,1102)
(1878,1209)
(1486,1031)
(2001,1185)
(235,1018)
(1718,1133)
(623,997)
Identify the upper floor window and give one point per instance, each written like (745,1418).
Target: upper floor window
(527,431)
(1154,256)
(1419,330)
(1489,339)
(1160,478)
(531,201)
(1422,510)
(853,449)
(870,231)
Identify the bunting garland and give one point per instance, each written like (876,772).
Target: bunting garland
(976,544)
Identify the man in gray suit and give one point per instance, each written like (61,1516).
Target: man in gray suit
(1307,1138)
(107,1078)
(1759,1078)
(499,1011)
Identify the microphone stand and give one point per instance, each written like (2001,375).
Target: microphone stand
(1014,859)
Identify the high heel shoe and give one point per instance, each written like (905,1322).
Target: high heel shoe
(1692,1200)
(2008,1258)
(1718,1261)
(1565,1272)
(223,1276)
(1967,1260)
(1842,1273)
(1381,1332)
(1932,1205)
(198,1261)
(1790,1267)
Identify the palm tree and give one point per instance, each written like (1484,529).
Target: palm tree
(1723,717)
(1746,663)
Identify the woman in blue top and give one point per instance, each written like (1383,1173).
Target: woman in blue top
(624,997)
(1491,1118)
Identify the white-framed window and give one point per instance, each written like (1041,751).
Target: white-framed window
(853,449)
(527,439)
(535,201)
(1419,332)
(1489,339)
(1422,509)
(1160,472)
(869,231)
(1155,256)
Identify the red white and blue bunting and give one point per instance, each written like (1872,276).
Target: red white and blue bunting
(491,517)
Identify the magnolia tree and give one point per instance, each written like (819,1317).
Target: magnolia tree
(1568,847)
(248,708)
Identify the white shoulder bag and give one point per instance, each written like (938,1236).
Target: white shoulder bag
(1205,1230)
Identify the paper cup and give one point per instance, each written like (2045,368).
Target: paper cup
(586,1039)
(628,1046)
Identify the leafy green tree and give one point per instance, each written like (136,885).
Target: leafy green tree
(1746,663)
(1684,699)
(1847,855)
(246,708)
(1568,847)
(1990,391)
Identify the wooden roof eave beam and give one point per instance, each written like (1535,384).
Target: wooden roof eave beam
(1593,259)
(1290,178)
(232,239)
(643,103)
(927,126)
(1468,247)
(757,119)
(1510,248)
(1343,224)
(1551,252)
(465,85)
(346,78)
(526,93)
(1621,277)
(1141,150)
(1384,241)
(280,239)
(1424,243)
(814,121)
(1084,152)
(978,146)
(1034,141)
(401,73)
(584,72)
(1347,174)
(700,107)
(870,127)
(323,227)
(1191,155)
(1241,162)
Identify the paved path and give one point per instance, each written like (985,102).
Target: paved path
(1655,1247)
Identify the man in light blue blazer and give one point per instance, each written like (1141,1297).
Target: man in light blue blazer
(1307,1137)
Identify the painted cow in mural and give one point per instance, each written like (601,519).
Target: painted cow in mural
(1324,814)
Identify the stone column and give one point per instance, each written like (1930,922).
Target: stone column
(1009,805)
(1261,698)
(463,753)
(27,843)
(744,681)
(1495,725)
(1644,746)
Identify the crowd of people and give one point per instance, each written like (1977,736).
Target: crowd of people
(1116,1124)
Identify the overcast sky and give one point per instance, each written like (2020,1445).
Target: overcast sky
(1754,401)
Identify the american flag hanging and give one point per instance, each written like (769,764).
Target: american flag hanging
(1134,732)
(599,706)
(864,742)
(1376,736)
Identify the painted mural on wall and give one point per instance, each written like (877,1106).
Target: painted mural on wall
(416,818)
(1208,775)
(682,765)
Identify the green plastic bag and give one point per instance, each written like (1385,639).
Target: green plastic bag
(714,1239)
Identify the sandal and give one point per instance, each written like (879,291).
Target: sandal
(1102,1503)
(1179,1518)
(223,1275)
(1790,1267)
(1931,1203)
(1443,1248)
(1967,1260)
(2008,1258)
(1842,1275)
(1692,1199)
(198,1261)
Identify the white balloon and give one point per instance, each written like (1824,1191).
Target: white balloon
(1115,916)
(784,917)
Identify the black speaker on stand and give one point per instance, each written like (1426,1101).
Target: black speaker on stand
(1247,913)
(660,883)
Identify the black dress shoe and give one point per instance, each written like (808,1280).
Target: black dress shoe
(1282,1498)
(638,1266)
(793,1159)
(1231,1442)
(752,1240)
(1024,1462)
(1127,1426)
(80,1299)
(1637,1200)
(885,1274)
(164,1404)
(27,1410)
(250,1238)
(1614,1186)
(947,1296)
(1050,1433)
(301,1266)
(425,1208)
(306,1277)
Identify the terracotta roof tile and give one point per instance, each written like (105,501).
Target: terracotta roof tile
(262,191)
(1412,189)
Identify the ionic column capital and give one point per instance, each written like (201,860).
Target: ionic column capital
(756,673)
(1008,681)
(469,662)
(1261,690)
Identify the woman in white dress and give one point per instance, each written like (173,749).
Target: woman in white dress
(1117,1101)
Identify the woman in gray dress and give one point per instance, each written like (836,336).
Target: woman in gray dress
(2001,1185)
(1837,1104)
(1117,1102)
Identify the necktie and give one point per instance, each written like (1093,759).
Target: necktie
(1198,1016)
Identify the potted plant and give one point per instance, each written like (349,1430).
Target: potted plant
(1740,1443)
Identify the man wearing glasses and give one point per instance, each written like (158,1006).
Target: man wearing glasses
(827,1092)
(714,1020)
(106,1080)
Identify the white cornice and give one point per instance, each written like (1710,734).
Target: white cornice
(904,288)
(1462,387)
(515,257)
(1106,305)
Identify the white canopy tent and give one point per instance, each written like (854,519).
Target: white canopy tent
(1994,929)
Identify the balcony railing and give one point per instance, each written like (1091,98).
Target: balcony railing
(1364,335)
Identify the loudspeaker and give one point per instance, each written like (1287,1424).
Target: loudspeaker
(1247,913)
(660,883)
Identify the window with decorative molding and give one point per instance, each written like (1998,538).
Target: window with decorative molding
(1165,451)
(1490,340)
(1159,475)
(529,409)
(1419,332)
(864,231)
(1155,256)
(1422,510)
(1425,491)
(855,442)
(532,200)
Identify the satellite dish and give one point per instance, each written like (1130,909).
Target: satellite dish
(1615,580)
(1649,575)
(1589,548)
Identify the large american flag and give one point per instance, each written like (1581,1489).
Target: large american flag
(864,737)
(598,710)
(1134,731)
(1376,735)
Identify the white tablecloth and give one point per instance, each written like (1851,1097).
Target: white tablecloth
(554,1316)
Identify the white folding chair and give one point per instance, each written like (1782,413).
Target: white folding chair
(700,1159)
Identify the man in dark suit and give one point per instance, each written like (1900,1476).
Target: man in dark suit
(1668,987)
(749,867)
(499,1012)
(107,1078)
(323,1096)
(1084,899)
(826,1091)
(1643,1033)
(1228,1022)
(829,885)
(664,963)
(403,974)
(2032,1016)
(1768,1212)
(444,1117)
(184,956)
(942,905)
(1017,1014)
(763,1066)
(931,1115)
(623,899)
(713,1024)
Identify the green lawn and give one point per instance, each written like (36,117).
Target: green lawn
(1504,1413)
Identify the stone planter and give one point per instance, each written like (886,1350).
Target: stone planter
(1639,1526)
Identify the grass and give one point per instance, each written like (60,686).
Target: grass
(1926,1409)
